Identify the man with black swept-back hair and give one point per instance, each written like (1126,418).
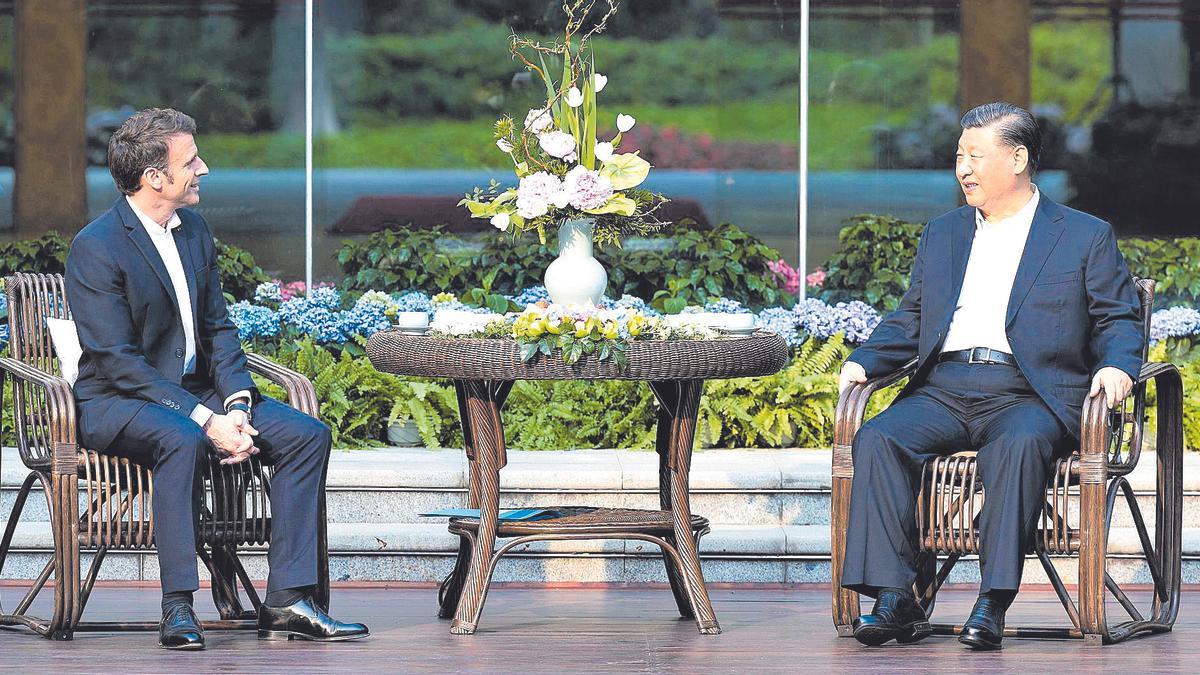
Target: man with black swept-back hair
(1018,309)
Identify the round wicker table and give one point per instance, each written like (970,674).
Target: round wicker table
(484,371)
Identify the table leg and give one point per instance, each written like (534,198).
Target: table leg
(662,445)
(483,402)
(681,401)
(452,585)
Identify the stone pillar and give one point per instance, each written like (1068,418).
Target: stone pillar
(994,52)
(49,111)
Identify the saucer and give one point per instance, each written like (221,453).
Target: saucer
(409,330)
(739,332)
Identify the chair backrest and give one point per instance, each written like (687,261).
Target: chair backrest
(1145,289)
(32,298)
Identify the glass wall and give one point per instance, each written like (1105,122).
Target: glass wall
(1116,97)
(235,68)
(407,96)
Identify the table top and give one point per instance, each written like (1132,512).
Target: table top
(762,353)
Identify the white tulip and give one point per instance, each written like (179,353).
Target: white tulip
(538,120)
(505,145)
(501,221)
(598,82)
(625,122)
(604,151)
(574,97)
(557,144)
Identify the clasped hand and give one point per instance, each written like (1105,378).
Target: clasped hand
(232,436)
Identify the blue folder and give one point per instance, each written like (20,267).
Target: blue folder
(511,514)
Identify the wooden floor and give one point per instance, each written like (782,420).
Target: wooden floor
(590,630)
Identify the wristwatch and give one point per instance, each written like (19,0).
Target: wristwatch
(239,405)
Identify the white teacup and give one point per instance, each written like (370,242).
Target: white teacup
(412,320)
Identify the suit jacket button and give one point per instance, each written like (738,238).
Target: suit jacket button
(179,353)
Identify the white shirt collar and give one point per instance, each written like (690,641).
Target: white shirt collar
(152,227)
(1025,215)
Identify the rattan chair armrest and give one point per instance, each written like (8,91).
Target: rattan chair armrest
(1157,370)
(55,423)
(852,401)
(299,389)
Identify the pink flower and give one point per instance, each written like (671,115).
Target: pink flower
(816,278)
(786,274)
(587,189)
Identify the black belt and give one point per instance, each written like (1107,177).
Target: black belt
(979,355)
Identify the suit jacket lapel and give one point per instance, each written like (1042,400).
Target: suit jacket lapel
(185,239)
(1044,234)
(141,238)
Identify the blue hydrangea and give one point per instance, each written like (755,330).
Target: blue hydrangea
(413,301)
(1174,322)
(268,292)
(3,334)
(635,303)
(365,319)
(325,297)
(856,319)
(782,321)
(253,321)
(726,306)
(530,296)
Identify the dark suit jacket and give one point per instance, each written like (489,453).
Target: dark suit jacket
(1073,308)
(127,316)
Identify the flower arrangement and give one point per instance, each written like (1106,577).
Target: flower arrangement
(574,330)
(564,170)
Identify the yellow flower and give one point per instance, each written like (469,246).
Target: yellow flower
(636,325)
(610,330)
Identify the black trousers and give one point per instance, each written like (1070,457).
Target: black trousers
(986,407)
(177,450)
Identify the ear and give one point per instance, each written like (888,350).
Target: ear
(152,177)
(1020,160)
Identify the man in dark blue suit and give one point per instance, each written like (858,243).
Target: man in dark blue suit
(1017,310)
(163,380)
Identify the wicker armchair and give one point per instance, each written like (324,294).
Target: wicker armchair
(1081,496)
(102,503)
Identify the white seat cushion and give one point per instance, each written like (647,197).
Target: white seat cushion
(66,346)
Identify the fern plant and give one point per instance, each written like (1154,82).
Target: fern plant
(793,407)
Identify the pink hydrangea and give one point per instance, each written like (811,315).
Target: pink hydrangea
(587,189)
(787,274)
(816,278)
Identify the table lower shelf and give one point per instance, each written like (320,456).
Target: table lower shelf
(587,520)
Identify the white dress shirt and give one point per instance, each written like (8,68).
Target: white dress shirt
(168,251)
(983,302)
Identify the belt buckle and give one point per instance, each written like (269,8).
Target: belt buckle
(971,356)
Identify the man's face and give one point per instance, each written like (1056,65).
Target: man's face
(987,170)
(180,183)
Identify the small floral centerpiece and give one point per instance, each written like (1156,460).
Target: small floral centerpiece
(568,177)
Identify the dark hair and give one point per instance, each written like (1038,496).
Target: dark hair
(1014,125)
(141,143)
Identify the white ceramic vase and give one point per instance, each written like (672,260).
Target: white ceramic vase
(576,277)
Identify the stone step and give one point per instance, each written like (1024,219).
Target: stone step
(425,553)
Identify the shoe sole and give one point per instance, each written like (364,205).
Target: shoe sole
(282,635)
(182,648)
(874,636)
(978,644)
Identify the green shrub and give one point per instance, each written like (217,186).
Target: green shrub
(724,261)
(46,255)
(792,408)
(240,276)
(429,260)
(873,262)
(357,401)
(565,415)
(1173,263)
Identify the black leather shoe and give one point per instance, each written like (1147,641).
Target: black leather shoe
(180,629)
(985,627)
(894,617)
(305,620)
